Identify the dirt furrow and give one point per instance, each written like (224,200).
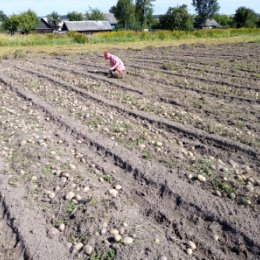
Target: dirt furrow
(185,130)
(96,76)
(207,80)
(11,246)
(173,114)
(28,225)
(146,148)
(219,64)
(182,242)
(104,179)
(183,66)
(231,65)
(97,205)
(167,85)
(111,81)
(218,212)
(204,248)
(198,163)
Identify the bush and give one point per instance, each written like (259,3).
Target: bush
(177,18)
(161,35)
(11,24)
(245,17)
(54,36)
(78,37)
(224,20)
(28,21)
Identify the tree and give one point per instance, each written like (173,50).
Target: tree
(11,24)
(205,9)
(54,20)
(3,16)
(156,22)
(258,22)
(124,12)
(95,14)
(144,12)
(75,16)
(245,17)
(28,21)
(224,20)
(177,18)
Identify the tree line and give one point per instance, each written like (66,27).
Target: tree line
(138,15)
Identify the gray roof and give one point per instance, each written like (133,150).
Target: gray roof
(44,25)
(211,23)
(111,18)
(80,26)
(45,19)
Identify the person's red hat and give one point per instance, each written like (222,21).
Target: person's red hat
(106,54)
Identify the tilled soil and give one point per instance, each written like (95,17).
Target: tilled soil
(163,164)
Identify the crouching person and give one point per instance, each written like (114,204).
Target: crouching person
(117,69)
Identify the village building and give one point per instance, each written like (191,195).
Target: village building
(44,26)
(87,27)
(210,24)
(111,18)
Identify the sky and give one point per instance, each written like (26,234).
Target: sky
(62,7)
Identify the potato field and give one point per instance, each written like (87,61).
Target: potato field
(163,164)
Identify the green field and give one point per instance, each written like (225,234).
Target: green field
(20,45)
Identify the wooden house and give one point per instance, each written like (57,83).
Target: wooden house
(111,18)
(87,27)
(210,24)
(44,27)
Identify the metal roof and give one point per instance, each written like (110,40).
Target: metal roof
(211,23)
(80,26)
(111,18)
(43,25)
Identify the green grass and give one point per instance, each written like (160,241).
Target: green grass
(172,67)
(118,36)
(93,202)
(121,128)
(108,178)
(54,44)
(129,99)
(103,254)
(224,187)
(203,166)
(42,39)
(126,36)
(70,207)
(147,155)
(135,143)
(95,121)
(256,41)
(47,170)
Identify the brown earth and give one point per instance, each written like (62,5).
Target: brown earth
(163,164)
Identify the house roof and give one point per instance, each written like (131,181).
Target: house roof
(80,26)
(45,20)
(111,18)
(43,25)
(211,23)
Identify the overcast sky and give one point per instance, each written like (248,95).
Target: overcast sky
(44,7)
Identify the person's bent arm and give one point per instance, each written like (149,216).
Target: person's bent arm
(115,66)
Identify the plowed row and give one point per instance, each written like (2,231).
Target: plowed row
(163,164)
